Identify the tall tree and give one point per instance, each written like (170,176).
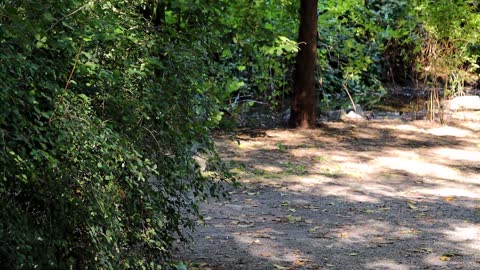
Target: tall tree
(304,101)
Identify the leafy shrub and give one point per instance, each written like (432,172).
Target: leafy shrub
(101,117)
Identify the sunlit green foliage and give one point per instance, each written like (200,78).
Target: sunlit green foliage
(450,42)
(101,116)
(353,35)
(367,44)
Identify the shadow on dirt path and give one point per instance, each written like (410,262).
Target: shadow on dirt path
(378,195)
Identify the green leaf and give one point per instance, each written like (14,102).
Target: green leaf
(293,219)
(181,266)
(118,31)
(234,86)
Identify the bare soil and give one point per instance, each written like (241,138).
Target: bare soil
(383,194)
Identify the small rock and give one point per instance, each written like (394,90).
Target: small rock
(358,110)
(337,115)
(352,116)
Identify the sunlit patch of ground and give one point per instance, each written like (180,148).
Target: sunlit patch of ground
(376,195)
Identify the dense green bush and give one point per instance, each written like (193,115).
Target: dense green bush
(350,53)
(101,117)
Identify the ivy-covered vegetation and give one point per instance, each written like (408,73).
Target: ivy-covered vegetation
(106,104)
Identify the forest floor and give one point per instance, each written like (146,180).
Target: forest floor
(382,194)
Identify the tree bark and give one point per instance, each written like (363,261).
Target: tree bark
(304,102)
(155,12)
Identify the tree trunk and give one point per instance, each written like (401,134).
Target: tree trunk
(155,12)
(303,112)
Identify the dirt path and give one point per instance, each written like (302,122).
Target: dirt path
(378,195)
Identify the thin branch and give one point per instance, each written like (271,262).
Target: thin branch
(74,66)
(68,82)
(349,96)
(154,138)
(66,16)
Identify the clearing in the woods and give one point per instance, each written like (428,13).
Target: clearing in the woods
(383,194)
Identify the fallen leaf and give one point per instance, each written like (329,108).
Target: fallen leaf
(266,254)
(292,218)
(292,210)
(449,198)
(219,226)
(353,254)
(410,204)
(314,229)
(369,211)
(308,221)
(445,258)
(425,250)
(279,267)
(343,235)
(257,241)
(299,262)
(207,218)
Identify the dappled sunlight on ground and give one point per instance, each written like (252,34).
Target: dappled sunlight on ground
(449,191)
(264,245)
(450,131)
(458,154)
(473,126)
(376,195)
(467,235)
(386,264)
(418,167)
